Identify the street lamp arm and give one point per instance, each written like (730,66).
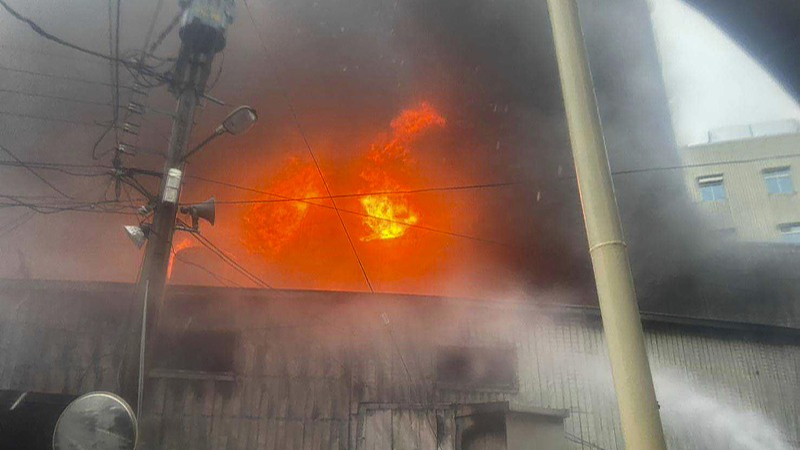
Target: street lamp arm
(217,133)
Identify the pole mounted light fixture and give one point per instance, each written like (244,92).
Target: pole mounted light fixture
(138,234)
(238,122)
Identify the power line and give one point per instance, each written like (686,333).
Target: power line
(411,379)
(217,276)
(692,166)
(36,174)
(113,48)
(49,119)
(40,31)
(21,220)
(59,77)
(34,51)
(166,31)
(55,97)
(366,194)
(230,261)
(310,150)
(90,207)
(66,171)
(358,213)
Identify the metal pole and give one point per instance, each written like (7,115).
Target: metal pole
(641,422)
(202,36)
(142,347)
(159,241)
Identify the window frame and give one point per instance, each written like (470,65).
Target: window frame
(778,174)
(790,229)
(709,183)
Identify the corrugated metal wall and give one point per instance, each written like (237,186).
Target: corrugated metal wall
(304,362)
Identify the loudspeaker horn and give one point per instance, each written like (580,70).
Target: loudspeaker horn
(206,210)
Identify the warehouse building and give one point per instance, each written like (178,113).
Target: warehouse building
(247,369)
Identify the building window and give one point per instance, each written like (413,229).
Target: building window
(477,368)
(712,188)
(210,352)
(779,181)
(790,233)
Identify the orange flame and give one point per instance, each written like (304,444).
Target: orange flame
(390,215)
(267,227)
(177,248)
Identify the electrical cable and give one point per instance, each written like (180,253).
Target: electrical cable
(52,168)
(310,150)
(113,48)
(54,97)
(21,220)
(366,194)
(230,261)
(358,213)
(40,31)
(224,280)
(164,33)
(50,119)
(59,77)
(408,372)
(213,84)
(36,174)
(35,51)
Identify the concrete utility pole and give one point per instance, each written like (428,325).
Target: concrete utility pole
(641,422)
(202,36)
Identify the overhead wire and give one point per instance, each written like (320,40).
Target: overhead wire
(205,242)
(50,119)
(54,97)
(167,30)
(138,75)
(88,207)
(59,77)
(299,127)
(358,213)
(367,194)
(36,174)
(51,37)
(224,280)
(66,171)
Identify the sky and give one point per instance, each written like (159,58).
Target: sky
(711,81)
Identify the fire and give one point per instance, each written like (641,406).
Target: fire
(390,215)
(267,227)
(177,248)
(384,207)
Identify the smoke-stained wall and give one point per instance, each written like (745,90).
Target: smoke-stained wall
(305,377)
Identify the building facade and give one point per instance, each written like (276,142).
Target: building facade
(744,182)
(254,369)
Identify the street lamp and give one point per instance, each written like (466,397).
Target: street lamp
(239,121)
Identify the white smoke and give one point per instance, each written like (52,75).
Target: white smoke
(712,423)
(691,415)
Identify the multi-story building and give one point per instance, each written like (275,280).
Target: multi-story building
(745,179)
